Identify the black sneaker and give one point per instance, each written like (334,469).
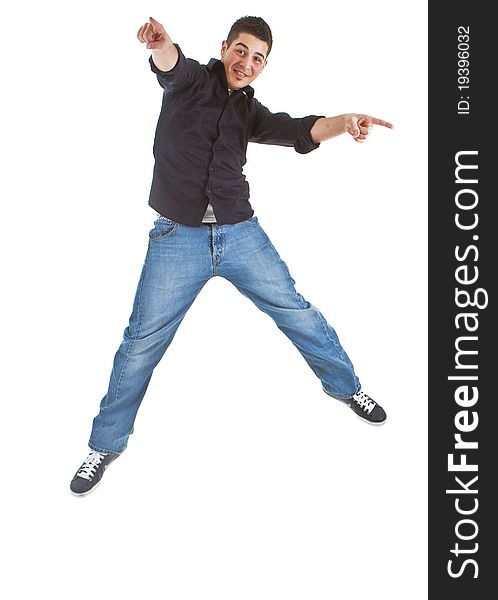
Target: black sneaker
(367,409)
(90,473)
(364,407)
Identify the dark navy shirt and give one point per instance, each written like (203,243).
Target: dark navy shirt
(201,141)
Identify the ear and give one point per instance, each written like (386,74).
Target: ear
(224,47)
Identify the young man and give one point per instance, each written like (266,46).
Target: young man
(206,227)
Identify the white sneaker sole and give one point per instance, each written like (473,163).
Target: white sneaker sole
(376,423)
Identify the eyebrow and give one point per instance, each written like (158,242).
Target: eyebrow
(247,48)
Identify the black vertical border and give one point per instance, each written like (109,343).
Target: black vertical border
(449,133)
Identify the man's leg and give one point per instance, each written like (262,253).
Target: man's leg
(253,265)
(177,265)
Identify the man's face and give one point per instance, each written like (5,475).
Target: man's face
(243,60)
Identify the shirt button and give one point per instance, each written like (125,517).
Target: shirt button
(211,169)
(209,191)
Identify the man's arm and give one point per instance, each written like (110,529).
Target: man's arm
(281,129)
(164,52)
(357,125)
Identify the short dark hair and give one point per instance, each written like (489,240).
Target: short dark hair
(256,26)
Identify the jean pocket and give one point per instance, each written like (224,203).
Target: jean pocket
(163,228)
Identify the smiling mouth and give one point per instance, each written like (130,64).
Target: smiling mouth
(239,74)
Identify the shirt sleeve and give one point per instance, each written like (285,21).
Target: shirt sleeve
(180,76)
(281,129)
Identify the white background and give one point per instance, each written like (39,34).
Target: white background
(242,479)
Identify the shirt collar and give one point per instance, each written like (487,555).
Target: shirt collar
(216,66)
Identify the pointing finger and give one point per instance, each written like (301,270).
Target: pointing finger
(375,121)
(155,24)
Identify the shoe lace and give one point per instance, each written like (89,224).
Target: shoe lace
(89,466)
(364,401)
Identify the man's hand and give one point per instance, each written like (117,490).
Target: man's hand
(164,52)
(360,126)
(154,35)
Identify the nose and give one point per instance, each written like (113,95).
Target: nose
(244,64)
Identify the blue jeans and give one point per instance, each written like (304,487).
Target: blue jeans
(180,260)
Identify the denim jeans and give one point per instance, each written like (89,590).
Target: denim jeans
(180,260)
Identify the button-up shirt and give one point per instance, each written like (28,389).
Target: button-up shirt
(201,141)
